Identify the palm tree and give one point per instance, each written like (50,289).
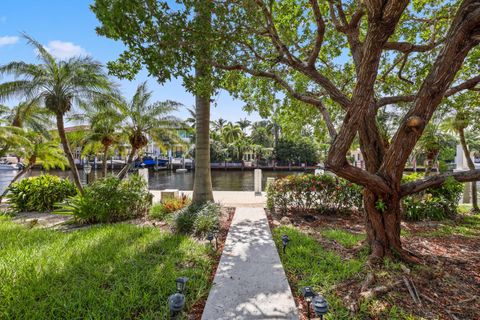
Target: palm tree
(231,133)
(105,126)
(244,124)
(192,118)
(58,84)
(458,124)
(40,149)
(144,119)
(27,114)
(219,124)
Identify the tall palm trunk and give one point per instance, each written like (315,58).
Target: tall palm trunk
(202,185)
(68,152)
(471,166)
(105,160)
(124,170)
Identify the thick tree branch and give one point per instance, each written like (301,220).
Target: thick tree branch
(360,176)
(304,97)
(320,33)
(435,181)
(460,41)
(467,85)
(407,47)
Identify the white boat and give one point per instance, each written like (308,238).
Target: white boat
(9,166)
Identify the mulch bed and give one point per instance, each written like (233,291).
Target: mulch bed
(448,282)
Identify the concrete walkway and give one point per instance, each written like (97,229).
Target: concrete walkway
(250,282)
(228,198)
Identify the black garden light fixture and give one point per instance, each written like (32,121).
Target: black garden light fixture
(87,168)
(210,237)
(285,241)
(308,295)
(181,284)
(176,302)
(320,306)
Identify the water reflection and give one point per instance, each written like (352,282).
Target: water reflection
(221,180)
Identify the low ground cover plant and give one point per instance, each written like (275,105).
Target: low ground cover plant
(162,210)
(308,192)
(39,193)
(109,200)
(198,220)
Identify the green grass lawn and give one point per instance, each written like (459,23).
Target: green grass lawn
(307,263)
(116,271)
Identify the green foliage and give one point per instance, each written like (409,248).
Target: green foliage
(161,210)
(197,219)
(307,263)
(184,219)
(108,200)
(435,203)
(117,271)
(307,192)
(296,151)
(207,219)
(40,193)
(345,238)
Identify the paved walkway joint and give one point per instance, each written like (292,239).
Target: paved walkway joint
(250,282)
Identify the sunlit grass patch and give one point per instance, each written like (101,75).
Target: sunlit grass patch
(116,271)
(467,226)
(307,263)
(345,238)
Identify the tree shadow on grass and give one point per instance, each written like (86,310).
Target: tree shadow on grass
(106,272)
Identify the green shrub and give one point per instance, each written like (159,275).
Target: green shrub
(184,219)
(435,203)
(161,210)
(308,192)
(40,193)
(110,200)
(208,219)
(197,219)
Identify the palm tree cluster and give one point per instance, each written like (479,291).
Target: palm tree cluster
(80,89)
(231,141)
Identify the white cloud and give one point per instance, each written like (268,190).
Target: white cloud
(7,40)
(64,50)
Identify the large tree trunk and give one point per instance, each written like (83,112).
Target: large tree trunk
(202,185)
(125,169)
(471,166)
(68,152)
(383,216)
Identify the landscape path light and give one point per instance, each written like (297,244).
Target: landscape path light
(285,241)
(210,238)
(181,284)
(320,306)
(176,302)
(308,295)
(87,168)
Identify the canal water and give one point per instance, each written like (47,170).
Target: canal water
(221,180)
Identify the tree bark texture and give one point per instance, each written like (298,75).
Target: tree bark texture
(68,152)
(202,184)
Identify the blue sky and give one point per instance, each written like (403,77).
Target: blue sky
(66,28)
